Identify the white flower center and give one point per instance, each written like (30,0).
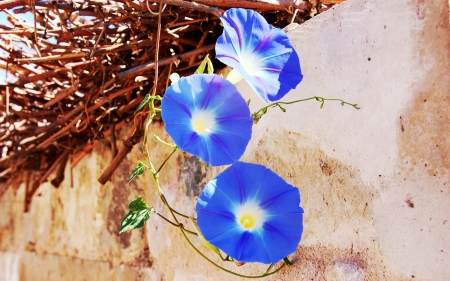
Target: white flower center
(249,66)
(251,63)
(203,122)
(249,216)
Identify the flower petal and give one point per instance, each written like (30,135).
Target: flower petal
(262,54)
(278,217)
(280,241)
(206,116)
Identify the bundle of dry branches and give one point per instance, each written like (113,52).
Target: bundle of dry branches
(77,71)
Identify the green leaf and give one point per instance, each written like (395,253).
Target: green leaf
(137,216)
(202,66)
(210,66)
(138,205)
(143,103)
(134,220)
(139,170)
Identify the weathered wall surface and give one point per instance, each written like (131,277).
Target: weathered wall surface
(374,182)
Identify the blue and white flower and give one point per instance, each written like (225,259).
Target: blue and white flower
(206,116)
(259,53)
(251,214)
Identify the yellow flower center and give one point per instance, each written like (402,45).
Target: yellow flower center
(249,216)
(199,126)
(248,220)
(203,122)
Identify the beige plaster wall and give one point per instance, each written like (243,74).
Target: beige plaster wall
(374,182)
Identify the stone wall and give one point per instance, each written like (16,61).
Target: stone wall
(375,182)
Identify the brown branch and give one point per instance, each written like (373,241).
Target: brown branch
(28,177)
(170,36)
(189,22)
(282,5)
(8,4)
(123,152)
(134,137)
(5,27)
(139,69)
(56,182)
(52,58)
(14,68)
(123,47)
(60,96)
(58,122)
(32,114)
(60,133)
(65,129)
(199,45)
(51,4)
(193,6)
(40,77)
(70,35)
(70,115)
(89,146)
(114,95)
(132,105)
(72,65)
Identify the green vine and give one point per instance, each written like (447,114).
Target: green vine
(258,114)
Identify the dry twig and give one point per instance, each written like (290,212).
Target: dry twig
(77,70)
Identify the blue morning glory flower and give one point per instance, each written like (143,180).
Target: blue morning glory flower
(206,116)
(261,54)
(251,214)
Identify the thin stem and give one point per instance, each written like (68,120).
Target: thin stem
(166,219)
(180,214)
(258,114)
(150,116)
(171,209)
(163,142)
(144,143)
(227,258)
(191,232)
(174,224)
(158,37)
(163,198)
(269,268)
(167,158)
(224,269)
(152,112)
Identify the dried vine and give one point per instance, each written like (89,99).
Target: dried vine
(76,72)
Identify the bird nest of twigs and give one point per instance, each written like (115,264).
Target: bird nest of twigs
(73,72)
